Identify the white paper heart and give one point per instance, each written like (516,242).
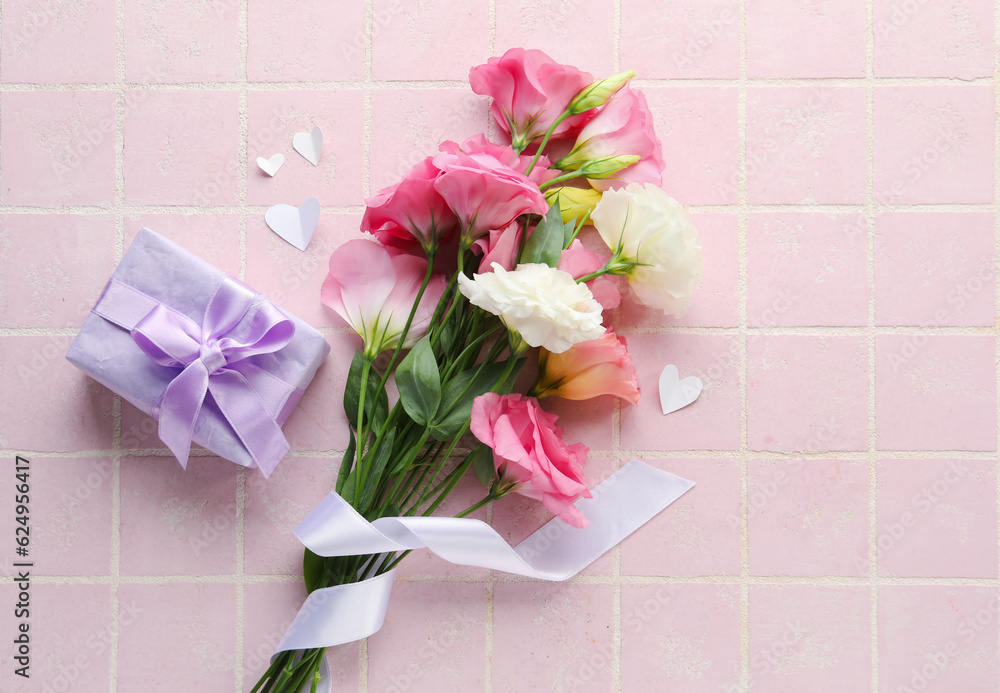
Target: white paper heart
(271,166)
(294,224)
(676,393)
(309,144)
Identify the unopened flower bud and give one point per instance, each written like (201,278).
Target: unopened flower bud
(573,203)
(607,167)
(598,93)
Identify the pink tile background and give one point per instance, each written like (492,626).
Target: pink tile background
(840,161)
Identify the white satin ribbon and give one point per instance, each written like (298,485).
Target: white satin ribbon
(344,613)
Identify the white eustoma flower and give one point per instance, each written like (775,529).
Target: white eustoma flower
(543,304)
(654,245)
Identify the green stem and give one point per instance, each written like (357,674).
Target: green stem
(435,336)
(420,480)
(593,275)
(307,666)
(560,179)
(576,232)
(285,678)
(359,484)
(545,140)
(443,488)
(474,344)
(412,450)
(419,470)
(268,677)
(490,497)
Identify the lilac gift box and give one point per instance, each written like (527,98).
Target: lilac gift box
(213,361)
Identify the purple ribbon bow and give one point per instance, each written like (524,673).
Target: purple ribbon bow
(213,361)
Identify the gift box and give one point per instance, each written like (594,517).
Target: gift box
(213,361)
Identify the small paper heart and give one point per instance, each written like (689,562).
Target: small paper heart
(309,145)
(294,224)
(271,166)
(676,393)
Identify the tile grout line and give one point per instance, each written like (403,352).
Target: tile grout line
(489,596)
(590,579)
(741,297)
(996,248)
(491,21)
(366,175)
(870,340)
(239,668)
(116,454)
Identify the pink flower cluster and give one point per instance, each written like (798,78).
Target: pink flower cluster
(475,188)
(489,198)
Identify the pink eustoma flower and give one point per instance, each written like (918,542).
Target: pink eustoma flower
(500,246)
(623,127)
(529,450)
(530,91)
(479,147)
(373,288)
(601,366)
(483,192)
(410,211)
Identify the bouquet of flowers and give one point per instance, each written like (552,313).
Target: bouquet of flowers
(468,263)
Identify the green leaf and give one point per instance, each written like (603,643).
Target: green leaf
(483,464)
(347,464)
(313,566)
(419,382)
(457,397)
(348,491)
(376,402)
(569,228)
(373,476)
(545,244)
(449,332)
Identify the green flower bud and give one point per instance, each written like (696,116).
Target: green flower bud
(608,166)
(598,93)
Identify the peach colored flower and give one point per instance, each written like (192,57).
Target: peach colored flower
(601,366)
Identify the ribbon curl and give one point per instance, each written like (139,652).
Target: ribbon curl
(344,613)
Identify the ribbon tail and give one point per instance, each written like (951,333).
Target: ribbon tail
(623,503)
(179,409)
(336,615)
(256,428)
